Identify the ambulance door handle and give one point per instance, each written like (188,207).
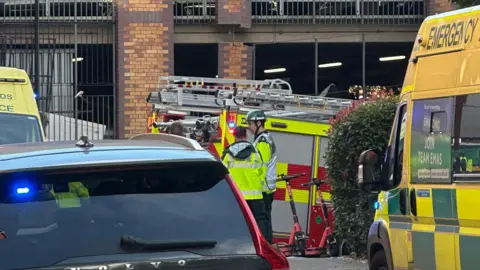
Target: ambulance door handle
(413,202)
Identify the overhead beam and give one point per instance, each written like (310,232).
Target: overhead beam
(259,34)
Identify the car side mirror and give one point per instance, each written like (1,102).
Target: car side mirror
(368,177)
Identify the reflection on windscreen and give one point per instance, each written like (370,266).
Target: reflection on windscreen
(19,129)
(51,218)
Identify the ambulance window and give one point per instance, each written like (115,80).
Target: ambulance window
(396,165)
(466,139)
(430,155)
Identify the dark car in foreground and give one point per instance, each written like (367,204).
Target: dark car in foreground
(159,202)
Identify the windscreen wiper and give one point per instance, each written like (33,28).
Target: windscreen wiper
(128,242)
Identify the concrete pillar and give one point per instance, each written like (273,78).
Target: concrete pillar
(234,12)
(144,52)
(235,60)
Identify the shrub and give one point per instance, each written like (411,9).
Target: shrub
(365,125)
(466,3)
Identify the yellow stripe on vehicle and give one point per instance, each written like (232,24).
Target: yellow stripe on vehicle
(424,206)
(399,245)
(218,148)
(468,217)
(327,196)
(282,168)
(315,171)
(291,126)
(300,196)
(444,251)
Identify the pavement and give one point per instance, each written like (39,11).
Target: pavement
(342,263)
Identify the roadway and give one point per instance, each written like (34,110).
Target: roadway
(326,264)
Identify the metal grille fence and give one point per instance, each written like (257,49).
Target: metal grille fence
(67,48)
(92,117)
(392,12)
(194,11)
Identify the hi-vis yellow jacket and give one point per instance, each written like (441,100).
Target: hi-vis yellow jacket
(72,198)
(244,163)
(266,147)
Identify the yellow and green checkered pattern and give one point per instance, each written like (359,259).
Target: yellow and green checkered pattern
(445,233)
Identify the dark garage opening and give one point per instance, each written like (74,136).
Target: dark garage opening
(345,59)
(199,60)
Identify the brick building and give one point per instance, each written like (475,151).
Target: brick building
(147,30)
(116,49)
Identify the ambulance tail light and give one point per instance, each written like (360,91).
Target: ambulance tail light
(276,259)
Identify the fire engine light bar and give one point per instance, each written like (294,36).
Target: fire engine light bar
(275,70)
(328,65)
(391,58)
(176,112)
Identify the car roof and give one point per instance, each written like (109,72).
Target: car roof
(63,154)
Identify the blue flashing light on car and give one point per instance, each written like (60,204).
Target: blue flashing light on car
(23,190)
(231,125)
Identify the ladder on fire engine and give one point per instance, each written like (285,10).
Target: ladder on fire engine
(212,95)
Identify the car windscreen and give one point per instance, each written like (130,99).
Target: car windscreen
(17,128)
(49,217)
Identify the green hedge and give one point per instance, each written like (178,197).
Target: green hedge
(466,3)
(364,126)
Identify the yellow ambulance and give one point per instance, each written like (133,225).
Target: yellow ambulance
(19,116)
(428,208)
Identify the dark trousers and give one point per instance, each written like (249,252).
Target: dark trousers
(268,201)
(258,210)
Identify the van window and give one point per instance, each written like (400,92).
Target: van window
(466,141)
(17,128)
(65,215)
(432,122)
(395,149)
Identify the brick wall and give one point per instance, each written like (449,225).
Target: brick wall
(235,60)
(439,6)
(234,12)
(145,52)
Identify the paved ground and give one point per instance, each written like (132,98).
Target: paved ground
(326,264)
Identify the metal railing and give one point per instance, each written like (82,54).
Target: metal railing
(68,117)
(311,11)
(67,48)
(56,10)
(194,11)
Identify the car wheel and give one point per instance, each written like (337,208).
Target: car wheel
(379,261)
